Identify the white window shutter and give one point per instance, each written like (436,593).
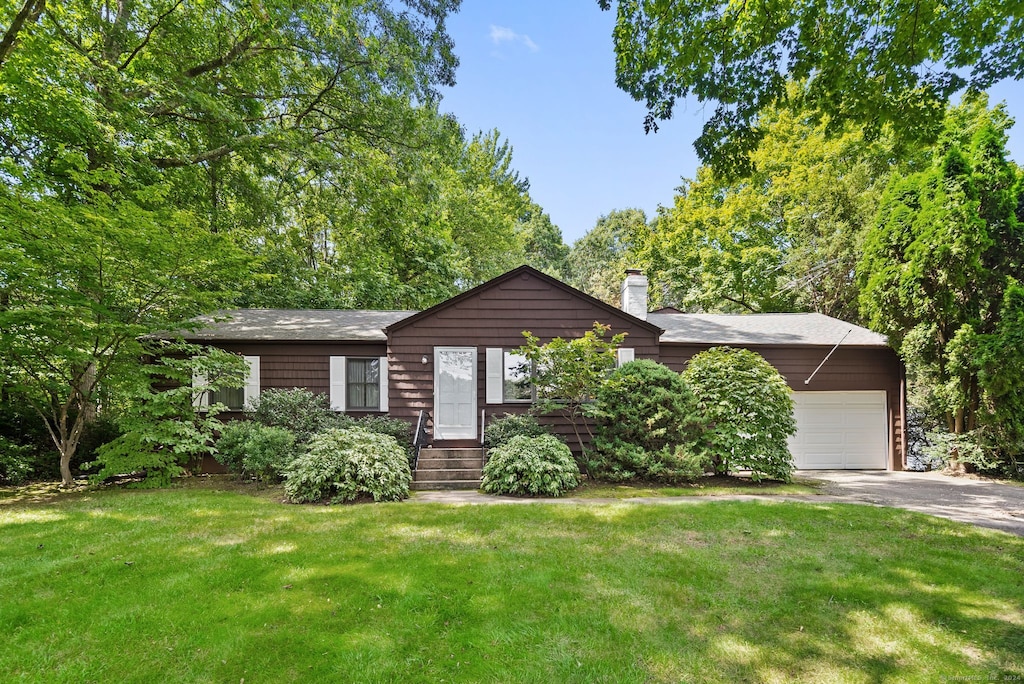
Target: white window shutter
(495,376)
(251,391)
(202,400)
(624,355)
(338,383)
(384,384)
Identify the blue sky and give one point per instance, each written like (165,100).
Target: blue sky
(543,73)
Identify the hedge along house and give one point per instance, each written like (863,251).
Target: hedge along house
(454,361)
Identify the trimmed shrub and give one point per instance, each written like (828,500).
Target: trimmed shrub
(748,410)
(648,421)
(531,466)
(298,410)
(342,464)
(255,450)
(501,430)
(629,462)
(15,462)
(400,429)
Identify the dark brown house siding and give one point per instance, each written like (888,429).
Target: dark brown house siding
(492,316)
(284,365)
(848,369)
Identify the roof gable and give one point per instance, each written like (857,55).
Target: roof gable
(531,273)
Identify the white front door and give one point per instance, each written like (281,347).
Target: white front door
(455,393)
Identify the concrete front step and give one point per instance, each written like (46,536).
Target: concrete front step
(448,474)
(449,463)
(448,468)
(445,485)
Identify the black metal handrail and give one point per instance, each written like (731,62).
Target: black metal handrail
(420,437)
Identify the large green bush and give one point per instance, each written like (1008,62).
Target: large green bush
(343,464)
(501,430)
(647,423)
(531,466)
(400,429)
(747,408)
(302,412)
(255,450)
(15,461)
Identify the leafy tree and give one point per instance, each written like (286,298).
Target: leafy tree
(941,259)
(875,65)
(405,229)
(597,261)
(161,429)
(568,374)
(787,237)
(83,285)
(541,243)
(748,411)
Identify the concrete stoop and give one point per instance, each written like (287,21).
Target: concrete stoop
(448,469)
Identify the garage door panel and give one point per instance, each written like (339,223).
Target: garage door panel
(840,430)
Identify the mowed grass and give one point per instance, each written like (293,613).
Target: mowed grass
(213,586)
(706,486)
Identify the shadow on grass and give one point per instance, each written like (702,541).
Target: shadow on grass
(191,584)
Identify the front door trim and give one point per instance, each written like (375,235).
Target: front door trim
(455,397)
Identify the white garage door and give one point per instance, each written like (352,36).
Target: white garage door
(837,430)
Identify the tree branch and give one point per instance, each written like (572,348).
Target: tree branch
(234,53)
(28,14)
(149,34)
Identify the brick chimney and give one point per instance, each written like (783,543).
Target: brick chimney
(634,293)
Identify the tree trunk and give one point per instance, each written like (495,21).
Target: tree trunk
(66,452)
(579,440)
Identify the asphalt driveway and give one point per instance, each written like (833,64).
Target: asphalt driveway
(979,502)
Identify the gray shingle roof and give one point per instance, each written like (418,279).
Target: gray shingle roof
(799,328)
(359,325)
(354,325)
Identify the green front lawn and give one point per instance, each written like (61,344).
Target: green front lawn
(206,585)
(705,486)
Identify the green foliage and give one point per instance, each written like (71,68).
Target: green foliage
(785,238)
(597,262)
(84,286)
(747,408)
(975,449)
(530,466)
(541,242)
(15,461)
(568,373)
(938,272)
(647,423)
(251,449)
(343,464)
(397,428)
(298,410)
(306,414)
(892,66)
(501,430)
(161,429)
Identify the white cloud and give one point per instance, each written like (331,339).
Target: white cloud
(503,34)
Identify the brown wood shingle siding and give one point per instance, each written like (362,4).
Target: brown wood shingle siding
(284,365)
(492,318)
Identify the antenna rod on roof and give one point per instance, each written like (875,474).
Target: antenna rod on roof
(827,357)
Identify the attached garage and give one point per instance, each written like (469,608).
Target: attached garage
(847,382)
(840,430)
